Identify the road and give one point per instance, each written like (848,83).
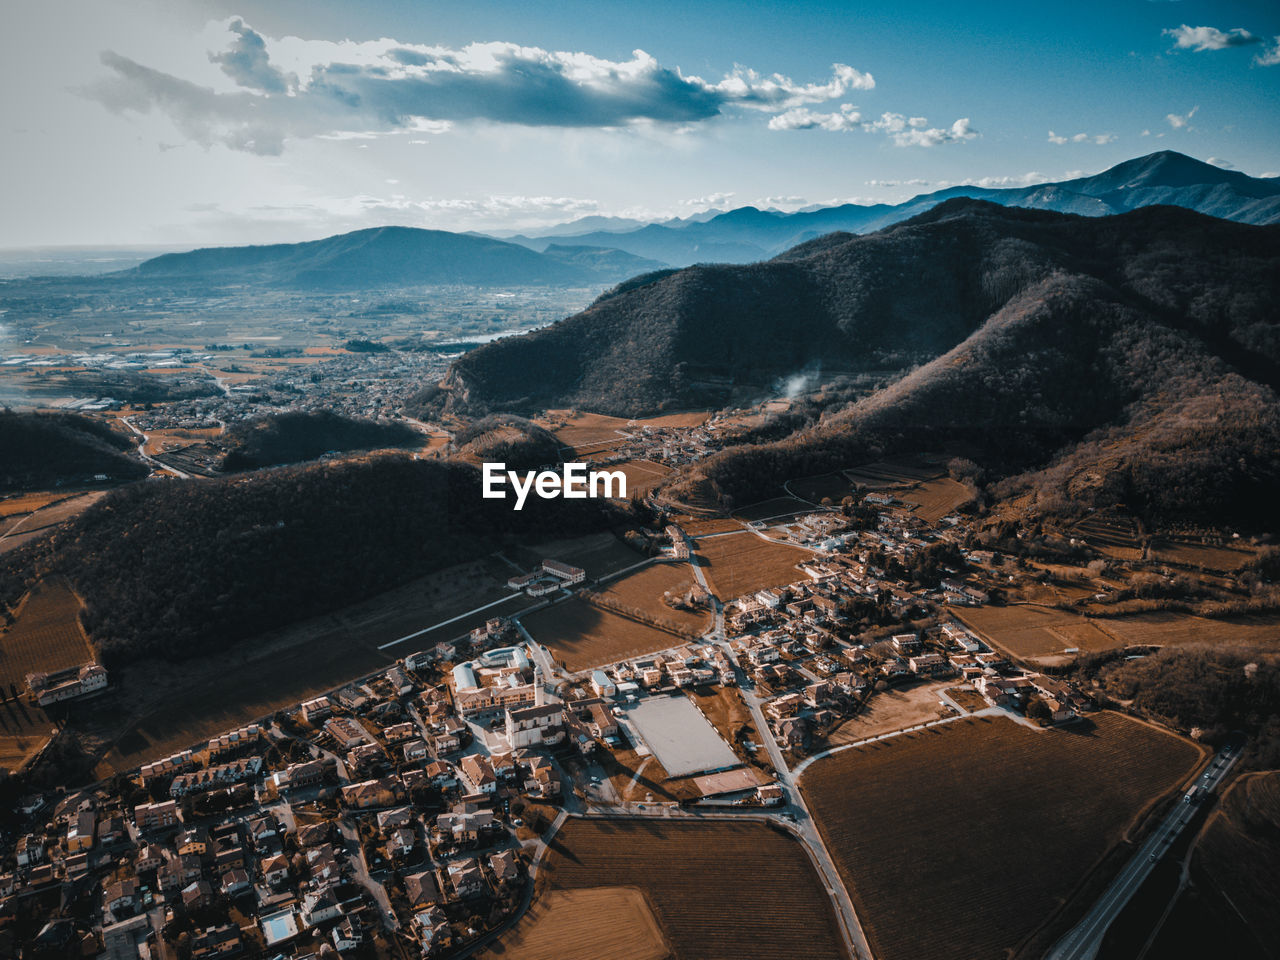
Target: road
(1084,939)
(156,464)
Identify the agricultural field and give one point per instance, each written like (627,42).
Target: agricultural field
(967,697)
(1239,849)
(585,924)
(1200,555)
(728,713)
(692,876)
(934,499)
(600,554)
(45,637)
(639,594)
(1114,535)
(886,474)
(17,530)
(701,526)
(891,710)
(644,779)
(21,503)
(964,839)
(1029,631)
(1178,629)
(737,564)
(642,475)
(582,635)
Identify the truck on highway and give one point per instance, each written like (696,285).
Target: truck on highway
(1192,795)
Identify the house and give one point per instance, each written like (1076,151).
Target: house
(347,732)
(120,897)
(372,793)
(222,941)
(235,882)
(394,818)
(193,842)
(347,935)
(401,842)
(149,858)
(421,889)
(465,822)
(263,830)
(30,851)
(440,775)
(434,933)
(82,831)
(319,906)
(298,775)
(602,685)
(111,829)
(320,708)
(907,644)
(275,870)
(895,668)
(197,895)
(784,706)
(228,855)
(929,665)
(399,731)
(314,834)
(505,866)
(603,723)
(322,862)
(415,750)
(770,794)
(466,878)
(478,774)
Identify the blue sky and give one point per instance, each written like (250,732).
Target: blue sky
(235,122)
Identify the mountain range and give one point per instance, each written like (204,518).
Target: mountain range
(748,234)
(1133,357)
(395,256)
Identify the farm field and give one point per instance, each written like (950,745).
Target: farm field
(701,526)
(1239,849)
(582,635)
(963,839)
(936,498)
(967,697)
(1029,631)
(18,749)
(642,475)
(26,528)
(833,485)
(21,503)
(1200,555)
(692,875)
(640,593)
(600,554)
(45,637)
(891,710)
(736,564)
(585,924)
(1111,534)
(1183,628)
(884,474)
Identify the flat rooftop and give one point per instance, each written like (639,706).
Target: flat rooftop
(677,733)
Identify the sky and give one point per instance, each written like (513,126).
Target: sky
(187,123)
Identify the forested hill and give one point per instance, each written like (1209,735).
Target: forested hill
(296,436)
(906,294)
(39,451)
(180,569)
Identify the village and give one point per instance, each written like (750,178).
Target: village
(403,814)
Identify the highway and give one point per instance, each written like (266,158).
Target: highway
(1084,939)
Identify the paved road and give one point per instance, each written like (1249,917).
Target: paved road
(142,452)
(1084,939)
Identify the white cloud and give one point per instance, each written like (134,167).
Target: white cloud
(291,89)
(710,200)
(914,133)
(1219,162)
(802,118)
(913,182)
(1209,38)
(1271,57)
(1181,121)
(1020,180)
(1098,138)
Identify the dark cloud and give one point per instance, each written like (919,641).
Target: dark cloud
(247,62)
(386,87)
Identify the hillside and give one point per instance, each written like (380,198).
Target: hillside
(179,569)
(747,234)
(41,451)
(388,256)
(295,436)
(1144,344)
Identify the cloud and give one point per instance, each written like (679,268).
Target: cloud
(915,132)
(1269,58)
(710,200)
(375,88)
(1219,162)
(904,131)
(1181,121)
(913,182)
(1098,138)
(802,118)
(1209,38)
(1019,180)
(248,64)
